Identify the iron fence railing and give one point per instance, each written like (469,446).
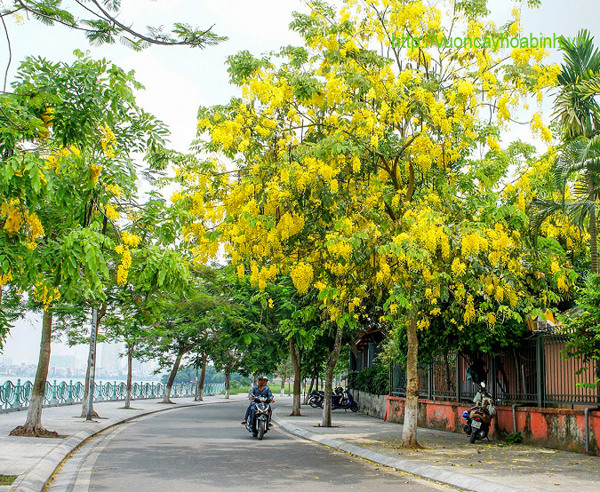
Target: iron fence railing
(536,372)
(16,396)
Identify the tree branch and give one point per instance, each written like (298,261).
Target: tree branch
(9,55)
(136,34)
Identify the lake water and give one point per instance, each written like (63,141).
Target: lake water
(3,379)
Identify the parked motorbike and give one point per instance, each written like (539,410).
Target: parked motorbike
(315,399)
(260,417)
(344,399)
(340,398)
(479,417)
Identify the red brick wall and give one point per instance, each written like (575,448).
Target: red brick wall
(555,428)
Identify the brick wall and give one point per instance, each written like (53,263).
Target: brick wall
(554,428)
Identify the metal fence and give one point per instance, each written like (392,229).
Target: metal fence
(15,397)
(536,372)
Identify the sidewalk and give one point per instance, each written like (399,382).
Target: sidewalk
(34,460)
(447,457)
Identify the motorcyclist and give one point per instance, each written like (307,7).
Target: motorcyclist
(260,389)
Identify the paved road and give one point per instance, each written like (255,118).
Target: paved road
(205,448)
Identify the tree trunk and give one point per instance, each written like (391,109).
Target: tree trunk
(593,228)
(310,388)
(227,375)
(168,388)
(333,358)
(33,423)
(129,374)
(282,390)
(200,392)
(255,379)
(409,429)
(297,379)
(88,372)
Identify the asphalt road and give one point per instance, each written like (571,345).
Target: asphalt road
(205,448)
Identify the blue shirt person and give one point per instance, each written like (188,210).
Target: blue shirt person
(260,389)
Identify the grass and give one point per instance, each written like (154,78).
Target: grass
(7,479)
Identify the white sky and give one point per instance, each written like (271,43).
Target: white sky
(178,79)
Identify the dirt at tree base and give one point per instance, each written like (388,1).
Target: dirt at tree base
(94,415)
(415,446)
(25,431)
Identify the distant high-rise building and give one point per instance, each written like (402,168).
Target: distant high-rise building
(5,361)
(110,360)
(62,361)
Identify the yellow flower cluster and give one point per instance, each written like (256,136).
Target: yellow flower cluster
(47,116)
(124,266)
(130,239)
(111,213)
(95,170)
(562,284)
(501,244)
(546,77)
(427,230)
(341,249)
(302,276)
(289,225)
(226,133)
(538,127)
(108,141)
(469,315)
(503,111)
(114,190)
(5,278)
(458,267)
(473,244)
(260,276)
(45,294)
(36,229)
(14,217)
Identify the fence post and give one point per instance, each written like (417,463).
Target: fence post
(493,375)
(458,375)
(17,396)
(598,383)
(541,370)
(430,382)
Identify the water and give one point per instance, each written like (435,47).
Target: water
(13,379)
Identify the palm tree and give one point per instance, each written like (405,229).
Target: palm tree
(578,113)
(576,106)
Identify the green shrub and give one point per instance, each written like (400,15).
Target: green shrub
(374,380)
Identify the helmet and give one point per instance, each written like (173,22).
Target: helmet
(465,414)
(264,378)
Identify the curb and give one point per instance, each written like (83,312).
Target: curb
(36,479)
(428,472)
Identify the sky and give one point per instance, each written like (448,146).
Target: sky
(178,79)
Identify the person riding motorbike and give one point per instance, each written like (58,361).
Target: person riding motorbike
(260,389)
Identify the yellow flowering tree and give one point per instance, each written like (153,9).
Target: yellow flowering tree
(67,171)
(369,161)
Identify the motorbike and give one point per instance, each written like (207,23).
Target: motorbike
(340,398)
(260,417)
(343,399)
(479,417)
(315,399)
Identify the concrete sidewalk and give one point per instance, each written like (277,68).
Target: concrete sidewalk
(448,457)
(34,460)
